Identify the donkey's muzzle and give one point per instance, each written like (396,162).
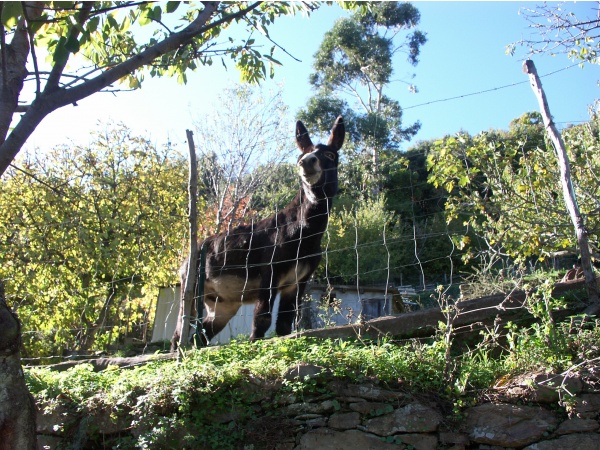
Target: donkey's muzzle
(310,169)
(309,164)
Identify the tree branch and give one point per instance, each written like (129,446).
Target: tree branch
(51,100)
(59,66)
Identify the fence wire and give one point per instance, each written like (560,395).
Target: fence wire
(404,271)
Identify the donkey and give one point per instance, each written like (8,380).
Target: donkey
(277,255)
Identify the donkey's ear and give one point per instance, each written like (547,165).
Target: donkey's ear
(336,138)
(303,139)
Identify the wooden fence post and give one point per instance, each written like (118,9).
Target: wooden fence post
(181,336)
(567,187)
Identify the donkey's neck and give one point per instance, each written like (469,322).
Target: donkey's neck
(311,210)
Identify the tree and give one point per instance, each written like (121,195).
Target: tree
(103,43)
(88,235)
(355,60)
(17,429)
(104,37)
(239,137)
(278,187)
(506,190)
(364,245)
(559,31)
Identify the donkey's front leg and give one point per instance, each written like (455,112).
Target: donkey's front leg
(263,312)
(290,302)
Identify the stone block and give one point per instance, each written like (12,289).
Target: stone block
(327,439)
(344,421)
(507,425)
(588,441)
(412,418)
(577,425)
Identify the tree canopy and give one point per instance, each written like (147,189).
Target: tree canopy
(558,30)
(245,132)
(86,233)
(503,186)
(355,62)
(54,54)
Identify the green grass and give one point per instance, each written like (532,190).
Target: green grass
(417,365)
(190,393)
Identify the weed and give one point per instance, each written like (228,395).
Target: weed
(216,391)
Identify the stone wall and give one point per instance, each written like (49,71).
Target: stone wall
(532,412)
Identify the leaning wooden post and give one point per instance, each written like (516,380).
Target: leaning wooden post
(567,187)
(181,336)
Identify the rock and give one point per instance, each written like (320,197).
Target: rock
(549,388)
(348,400)
(590,441)
(49,442)
(412,418)
(591,379)
(578,426)
(507,425)
(327,439)
(419,441)
(308,416)
(587,406)
(286,399)
(297,409)
(371,408)
(317,422)
(344,421)
(544,387)
(284,446)
(447,438)
(107,424)
(365,391)
(303,371)
(53,421)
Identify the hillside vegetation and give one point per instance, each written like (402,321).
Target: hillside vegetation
(250,380)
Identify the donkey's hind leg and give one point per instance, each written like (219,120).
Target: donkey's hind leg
(217,314)
(263,312)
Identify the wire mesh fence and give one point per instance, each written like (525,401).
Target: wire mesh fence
(385,250)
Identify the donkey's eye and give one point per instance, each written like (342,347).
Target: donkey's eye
(330,155)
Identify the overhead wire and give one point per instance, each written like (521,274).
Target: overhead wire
(485,91)
(385,241)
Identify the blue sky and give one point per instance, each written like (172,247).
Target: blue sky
(465,54)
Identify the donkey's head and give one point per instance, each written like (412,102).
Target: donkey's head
(318,163)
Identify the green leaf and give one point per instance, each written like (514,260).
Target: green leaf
(92,24)
(11,12)
(60,52)
(112,22)
(72,44)
(172,6)
(156,13)
(271,59)
(144,17)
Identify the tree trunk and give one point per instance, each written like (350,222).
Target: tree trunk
(17,407)
(181,335)
(376,188)
(568,189)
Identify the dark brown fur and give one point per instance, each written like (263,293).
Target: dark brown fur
(253,263)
